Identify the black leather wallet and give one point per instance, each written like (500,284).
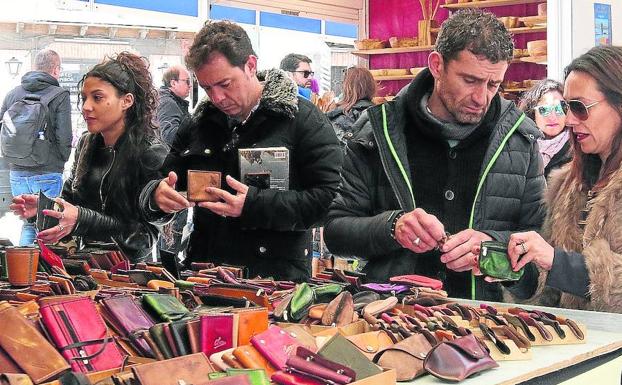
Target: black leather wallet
(45,222)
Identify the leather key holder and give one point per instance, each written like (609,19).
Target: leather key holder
(490,334)
(532,322)
(519,324)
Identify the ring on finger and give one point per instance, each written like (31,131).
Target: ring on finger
(417,241)
(61,227)
(523,248)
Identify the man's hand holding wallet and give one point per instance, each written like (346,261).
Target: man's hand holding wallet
(227,204)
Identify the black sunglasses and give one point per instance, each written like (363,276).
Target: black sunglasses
(578,108)
(305,74)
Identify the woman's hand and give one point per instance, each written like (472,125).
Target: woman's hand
(25,205)
(527,247)
(67,219)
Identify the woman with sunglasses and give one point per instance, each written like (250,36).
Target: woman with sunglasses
(579,251)
(543,104)
(118,155)
(359,87)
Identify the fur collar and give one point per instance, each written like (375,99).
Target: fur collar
(279,96)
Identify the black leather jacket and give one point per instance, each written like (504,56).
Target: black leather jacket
(105,184)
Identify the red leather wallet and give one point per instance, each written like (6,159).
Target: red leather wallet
(276,345)
(80,334)
(217,333)
(418,280)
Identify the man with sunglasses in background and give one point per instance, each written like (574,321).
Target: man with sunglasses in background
(298,67)
(447,155)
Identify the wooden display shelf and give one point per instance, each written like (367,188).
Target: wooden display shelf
(515,31)
(385,51)
(489,3)
(397,77)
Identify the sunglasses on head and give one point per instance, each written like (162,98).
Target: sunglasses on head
(305,74)
(548,109)
(578,108)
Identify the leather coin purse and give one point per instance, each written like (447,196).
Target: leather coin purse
(45,222)
(198,180)
(494,262)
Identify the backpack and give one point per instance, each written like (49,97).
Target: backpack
(24,140)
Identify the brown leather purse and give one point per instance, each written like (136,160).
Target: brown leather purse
(458,359)
(406,357)
(372,342)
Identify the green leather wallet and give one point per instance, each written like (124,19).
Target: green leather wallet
(327,292)
(256,376)
(342,351)
(301,301)
(164,306)
(158,336)
(494,262)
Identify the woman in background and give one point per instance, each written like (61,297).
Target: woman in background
(542,103)
(116,157)
(359,87)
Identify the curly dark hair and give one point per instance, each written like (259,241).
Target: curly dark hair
(225,37)
(478,31)
(129,73)
(531,97)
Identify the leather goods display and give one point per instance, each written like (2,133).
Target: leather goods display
(48,256)
(380,306)
(254,376)
(362,298)
(166,307)
(80,334)
(495,262)
(302,299)
(406,357)
(276,345)
(250,358)
(371,343)
(128,319)
(308,364)
(21,265)
(179,332)
(418,280)
(28,348)
(194,334)
(191,369)
(218,332)
(240,291)
(198,180)
(45,222)
(250,322)
(458,359)
(340,311)
(338,349)
(386,288)
(326,292)
(303,335)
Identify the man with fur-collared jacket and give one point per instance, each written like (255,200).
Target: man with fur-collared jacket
(266,230)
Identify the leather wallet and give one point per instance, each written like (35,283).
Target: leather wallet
(158,336)
(191,369)
(406,357)
(198,180)
(27,348)
(179,331)
(218,332)
(7,364)
(309,364)
(276,345)
(79,332)
(45,222)
(255,376)
(252,294)
(250,358)
(166,307)
(372,342)
(458,359)
(418,280)
(251,321)
(170,340)
(495,262)
(194,334)
(302,299)
(129,320)
(342,351)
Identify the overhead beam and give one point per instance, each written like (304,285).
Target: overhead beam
(83,30)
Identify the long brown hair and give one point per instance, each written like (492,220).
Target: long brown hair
(358,83)
(604,65)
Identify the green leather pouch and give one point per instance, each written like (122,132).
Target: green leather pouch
(301,301)
(256,376)
(164,306)
(158,336)
(494,262)
(342,351)
(327,292)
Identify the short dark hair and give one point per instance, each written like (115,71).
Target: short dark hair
(291,61)
(478,31)
(171,73)
(530,98)
(224,37)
